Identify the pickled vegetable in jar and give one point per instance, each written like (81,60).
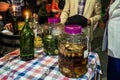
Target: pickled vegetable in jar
(72,61)
(51,36)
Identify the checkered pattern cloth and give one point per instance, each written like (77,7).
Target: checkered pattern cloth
(42,67)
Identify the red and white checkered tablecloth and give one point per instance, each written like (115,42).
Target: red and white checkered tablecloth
(42,67)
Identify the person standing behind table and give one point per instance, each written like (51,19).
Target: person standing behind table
(22,4)
(32,5)
(57,6)
(45,10)
(19,5)
(105,20)
(61,4)
(18,9)
(113,67)
(90,9)
(5,16)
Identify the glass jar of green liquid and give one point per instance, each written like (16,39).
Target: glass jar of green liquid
(26,42)
(51,36)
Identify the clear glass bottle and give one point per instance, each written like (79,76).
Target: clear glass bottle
(72,61)
(51,36)
(38,31)
(26,42)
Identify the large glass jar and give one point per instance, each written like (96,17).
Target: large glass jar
(51,36)
(72,60)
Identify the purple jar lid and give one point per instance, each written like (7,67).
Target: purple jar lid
(73,29)
(53,20)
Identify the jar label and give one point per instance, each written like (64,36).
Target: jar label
(86,53)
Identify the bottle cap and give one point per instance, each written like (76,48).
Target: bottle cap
(53,20)
(73,29)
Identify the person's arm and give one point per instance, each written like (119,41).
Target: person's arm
(97,13)
(4,6)
(55,7)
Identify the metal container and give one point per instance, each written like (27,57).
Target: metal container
(9,39)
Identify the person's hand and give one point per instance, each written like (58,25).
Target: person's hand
(4,6)
(89,22)
(35,16)
(59,11)
(8,26)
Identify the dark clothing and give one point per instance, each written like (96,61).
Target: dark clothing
(113,69)
(6,17)
(61,4)
(106,15)
(43,19)
(33,6)
(78,20)
(43,14)
(4,0)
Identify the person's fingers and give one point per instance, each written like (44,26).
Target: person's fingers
(35,15)
(8,26)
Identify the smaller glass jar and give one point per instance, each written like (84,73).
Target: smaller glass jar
(52,33)
(72,61)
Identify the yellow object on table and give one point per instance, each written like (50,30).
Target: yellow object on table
(20,25)
(38,41)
